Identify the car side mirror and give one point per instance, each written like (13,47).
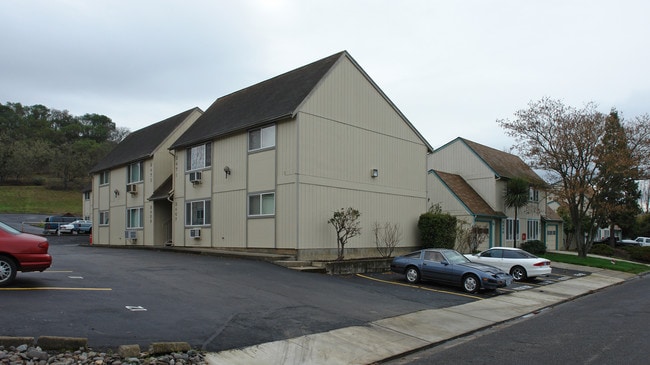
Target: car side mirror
(444,262)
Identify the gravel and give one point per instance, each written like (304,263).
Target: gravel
(25,355)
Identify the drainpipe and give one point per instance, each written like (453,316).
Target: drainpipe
(171,192)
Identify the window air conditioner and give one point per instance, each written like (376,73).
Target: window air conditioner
(195,177)
(131,188)
(195,233)
(130,235)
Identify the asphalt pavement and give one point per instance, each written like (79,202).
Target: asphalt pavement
(392,337)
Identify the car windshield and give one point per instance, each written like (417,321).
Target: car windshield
(454,257)
(5,227)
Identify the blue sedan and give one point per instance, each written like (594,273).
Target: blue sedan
(447,266)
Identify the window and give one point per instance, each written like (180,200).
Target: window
(261,204)
(104,177)
(512,229)
(103,218)
(135,172)
(533,230)
(533,196)
(134,218)
(197,213)
(199,157)
(86,195)
(261,138)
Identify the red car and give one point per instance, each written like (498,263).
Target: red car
(21,252)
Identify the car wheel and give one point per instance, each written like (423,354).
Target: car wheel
(471,283)
(412,274)
(518,273)
(7,270)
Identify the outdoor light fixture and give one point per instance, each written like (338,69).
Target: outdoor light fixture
(374,173)
(227,171)
(116,193)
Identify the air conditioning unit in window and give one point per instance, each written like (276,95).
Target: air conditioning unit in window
(131,235)
(131,188)
(195,233)
(195,177)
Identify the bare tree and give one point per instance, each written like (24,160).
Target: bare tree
(346,223)
(386,237)
(562,141)
(469,237)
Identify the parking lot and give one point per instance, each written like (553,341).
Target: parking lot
(115,296)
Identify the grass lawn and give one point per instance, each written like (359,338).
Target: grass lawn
(598,262)
(39,200)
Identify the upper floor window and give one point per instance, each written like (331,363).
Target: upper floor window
(197,213)
(104,177)
(533,196)
(135,172)
(199,157)
(261,204)
(134,217)
(261,138)
(86,195)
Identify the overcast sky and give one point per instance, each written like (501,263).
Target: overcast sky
(452,67)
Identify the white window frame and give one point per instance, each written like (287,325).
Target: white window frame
(258,204)
(86,195)
(104,217)
(261,138)
(510,224)
(196,206)
(533,195)
(104,177)
(198,157)
(134,217)
(130,172)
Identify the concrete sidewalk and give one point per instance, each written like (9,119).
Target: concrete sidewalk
(390,337)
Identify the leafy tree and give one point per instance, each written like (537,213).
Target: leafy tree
(516,196)
(616,196)
(347,225)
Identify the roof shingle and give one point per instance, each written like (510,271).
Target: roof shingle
(467,195)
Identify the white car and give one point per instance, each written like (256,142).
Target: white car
(66,228)
(519,263)
(639,241)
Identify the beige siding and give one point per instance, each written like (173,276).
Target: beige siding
(261,233)
(261,171)
(229,219)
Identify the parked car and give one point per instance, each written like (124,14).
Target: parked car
(449,267)
(53,223)
(21,252)
(519,263)
(639,241)
(78,226)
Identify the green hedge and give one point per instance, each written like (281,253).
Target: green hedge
(602,249)
(437,230)
(534,246)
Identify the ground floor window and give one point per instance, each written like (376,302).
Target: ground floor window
(533,230)
(197,213)
(512,229)
(103,218)
(134,217)
(260,204)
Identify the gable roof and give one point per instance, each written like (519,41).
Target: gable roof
(503,164)
(142,143)
(269,101)
(467,196)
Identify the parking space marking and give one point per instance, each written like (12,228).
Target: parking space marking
(136,308)
(420,287)
(55,288)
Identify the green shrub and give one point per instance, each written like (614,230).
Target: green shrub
(534,246)
(602,249)
(437,230)
(641,254)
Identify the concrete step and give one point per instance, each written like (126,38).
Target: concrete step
(315,269)
(292,263)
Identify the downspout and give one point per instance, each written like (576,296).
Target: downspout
(171,192)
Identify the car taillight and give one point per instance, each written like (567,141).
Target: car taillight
(542,263)
(44,245)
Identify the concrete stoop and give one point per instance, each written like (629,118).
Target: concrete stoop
(303,266)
